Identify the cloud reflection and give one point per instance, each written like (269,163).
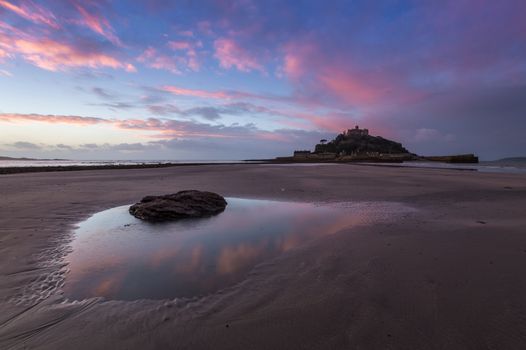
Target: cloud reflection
(191,257)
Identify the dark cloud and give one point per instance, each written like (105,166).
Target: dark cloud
(25,145)
(89,146)
(64,147)
(116,105)
(213,113)
(120,147)
(283,142)
(233,142)
(103,93)
(163,110)
(208,113)
(486,121)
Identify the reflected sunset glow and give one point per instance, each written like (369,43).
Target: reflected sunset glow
(119,257)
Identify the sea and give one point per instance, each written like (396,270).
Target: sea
(9,163)
(504,166)
(510,167)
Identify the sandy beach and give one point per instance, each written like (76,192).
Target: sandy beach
(450,274)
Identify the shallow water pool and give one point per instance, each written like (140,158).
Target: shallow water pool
(117,256)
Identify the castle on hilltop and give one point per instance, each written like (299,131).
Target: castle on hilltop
(356,145)
(356,132)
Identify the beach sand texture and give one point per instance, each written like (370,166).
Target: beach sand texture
(450,274)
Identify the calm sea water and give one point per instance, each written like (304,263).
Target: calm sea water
(52,162)
(116,256)
(485,167)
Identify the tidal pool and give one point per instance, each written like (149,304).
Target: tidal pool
(117,256)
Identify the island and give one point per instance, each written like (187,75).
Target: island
(11,158)
(357,145)
(26,158)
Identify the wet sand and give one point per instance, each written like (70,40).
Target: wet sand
(449,275)
(55,168)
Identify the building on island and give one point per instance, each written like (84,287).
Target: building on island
(353,145)
(301,154)
(356,132)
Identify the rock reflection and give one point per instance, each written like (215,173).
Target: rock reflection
(119,257)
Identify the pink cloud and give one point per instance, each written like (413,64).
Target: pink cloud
(338,122)
(205,27)
(179,45)
(308,67)
(191,58)
(193,62)
(231,55)
(53,55)
(3,54)
(272,136)
(295,63)
(292,66)
(227,94)
(98,24)
(32,12)
(186,33)
(196,92)
(175,63)
(151,58)
(348,87)
(167,129)
(335,79)
(329,121)
(52,118)
(148,124)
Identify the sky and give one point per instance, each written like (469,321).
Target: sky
(245,79)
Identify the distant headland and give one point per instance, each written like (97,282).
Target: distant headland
(25,158)
(11,158)
(357,145)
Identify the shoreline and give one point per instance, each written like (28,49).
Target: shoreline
(351,289)
(39,169)
(61,168)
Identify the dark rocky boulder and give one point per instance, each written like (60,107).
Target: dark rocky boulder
(180,205)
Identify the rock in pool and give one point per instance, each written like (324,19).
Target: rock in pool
(180,205)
